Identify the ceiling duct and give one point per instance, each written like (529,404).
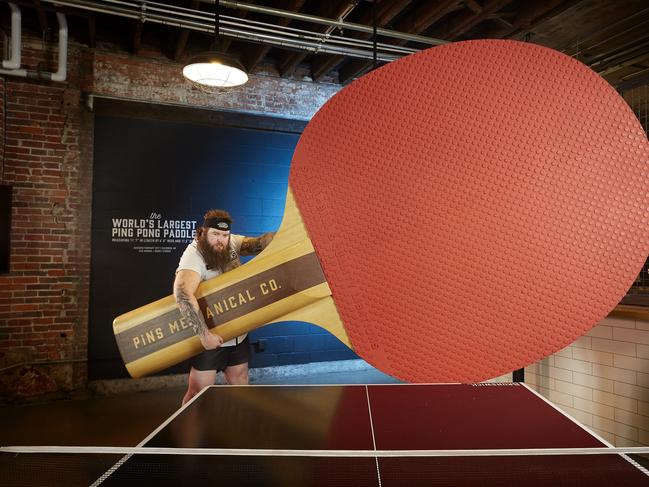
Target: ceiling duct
(59,75)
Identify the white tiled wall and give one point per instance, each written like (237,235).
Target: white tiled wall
(602,380)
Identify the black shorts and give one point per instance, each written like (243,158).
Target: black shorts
(223,357)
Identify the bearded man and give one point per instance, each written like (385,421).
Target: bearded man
(214,251)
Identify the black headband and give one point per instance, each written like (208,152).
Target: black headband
(218,223)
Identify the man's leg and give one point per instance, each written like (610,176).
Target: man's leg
(198,379)
(237,374)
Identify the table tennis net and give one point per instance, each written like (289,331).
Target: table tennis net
(94,466)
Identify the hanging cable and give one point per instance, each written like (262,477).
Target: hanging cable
(374,36)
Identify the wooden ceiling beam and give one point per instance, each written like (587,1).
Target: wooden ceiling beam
(183,35)
(137,36)
(474,7)
(290,60)
(257,52)
(92,31)
(470,19)
(640,62)
(415,23)
(386,10)
(42,19)
(530,16)
(622,56)
(226,42)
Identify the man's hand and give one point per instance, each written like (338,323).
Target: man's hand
(254,245)
(210,341)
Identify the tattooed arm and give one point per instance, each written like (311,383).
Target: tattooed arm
(185,285)
(254,245)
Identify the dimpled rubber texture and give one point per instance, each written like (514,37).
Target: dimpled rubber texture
(475,207)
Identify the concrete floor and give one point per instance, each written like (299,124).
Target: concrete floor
(125,419)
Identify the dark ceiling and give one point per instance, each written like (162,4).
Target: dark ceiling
(611,36)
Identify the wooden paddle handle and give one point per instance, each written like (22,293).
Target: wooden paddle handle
(280,284)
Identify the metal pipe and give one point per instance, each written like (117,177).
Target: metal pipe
(159,7)
(623,51)
(123,12)
(60,74)
(309,35)
(327,33)
(599,32)
(14,61)
(334,23)
(315,47)
(138,9)
(225,31)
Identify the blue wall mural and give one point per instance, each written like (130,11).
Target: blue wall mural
(151,181)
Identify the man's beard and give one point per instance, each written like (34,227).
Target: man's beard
(214,259)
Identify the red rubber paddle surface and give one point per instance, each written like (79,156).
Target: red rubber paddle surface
(475,207)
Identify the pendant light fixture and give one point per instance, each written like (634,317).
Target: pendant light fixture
(214,70)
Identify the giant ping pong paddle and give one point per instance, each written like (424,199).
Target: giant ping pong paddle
(452,216)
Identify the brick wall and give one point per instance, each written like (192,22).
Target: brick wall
(602,380)
(48,161)
(154,80)
(43,312)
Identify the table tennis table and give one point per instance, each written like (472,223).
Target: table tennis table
(325,435)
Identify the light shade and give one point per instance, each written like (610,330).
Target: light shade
(215,70)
